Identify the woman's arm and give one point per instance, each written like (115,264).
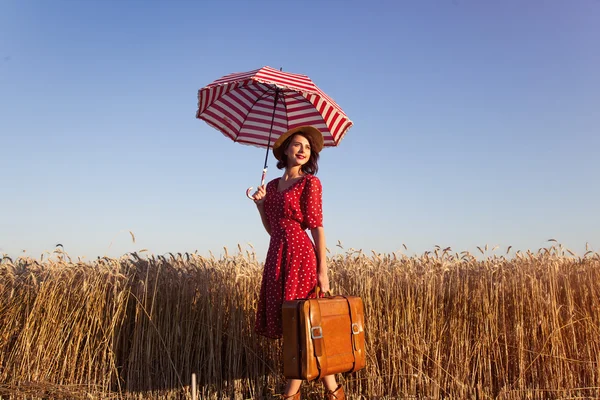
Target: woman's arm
(259,200)
(318,235)
(263,217)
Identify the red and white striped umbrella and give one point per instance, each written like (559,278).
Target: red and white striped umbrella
(257,107)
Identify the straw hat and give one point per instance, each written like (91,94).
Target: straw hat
(315,135)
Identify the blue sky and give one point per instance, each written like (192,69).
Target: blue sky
(475,122)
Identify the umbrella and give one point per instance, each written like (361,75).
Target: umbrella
(256,107)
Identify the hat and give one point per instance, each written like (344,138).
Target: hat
(315,135)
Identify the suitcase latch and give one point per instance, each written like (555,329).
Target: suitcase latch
(316,332)
(355,329)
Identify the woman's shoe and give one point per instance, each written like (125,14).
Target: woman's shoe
(337,394)
(292,396)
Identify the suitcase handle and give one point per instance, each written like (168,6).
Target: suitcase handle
(318,292)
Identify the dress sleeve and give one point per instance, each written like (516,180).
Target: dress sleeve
(312,203)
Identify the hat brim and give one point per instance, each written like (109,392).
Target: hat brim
(315,135)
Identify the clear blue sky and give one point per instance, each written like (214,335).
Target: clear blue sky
(475,122)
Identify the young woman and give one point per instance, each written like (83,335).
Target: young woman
(288,206)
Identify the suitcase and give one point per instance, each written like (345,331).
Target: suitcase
(323,336)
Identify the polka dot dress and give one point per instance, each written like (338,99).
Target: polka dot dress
(291,266)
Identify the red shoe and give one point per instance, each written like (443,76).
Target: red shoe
(292,396)
(337,394)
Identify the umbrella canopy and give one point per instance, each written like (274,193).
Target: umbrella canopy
(256,107)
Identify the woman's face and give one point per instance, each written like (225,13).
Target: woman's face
(298,151)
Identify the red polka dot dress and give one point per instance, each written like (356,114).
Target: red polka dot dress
(290,271)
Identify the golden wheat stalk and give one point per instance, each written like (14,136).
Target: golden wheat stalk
(438,325)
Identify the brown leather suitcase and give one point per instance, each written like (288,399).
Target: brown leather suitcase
(323,336)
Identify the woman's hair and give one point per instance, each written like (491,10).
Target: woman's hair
(311,166)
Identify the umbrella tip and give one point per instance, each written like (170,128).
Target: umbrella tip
(280,68)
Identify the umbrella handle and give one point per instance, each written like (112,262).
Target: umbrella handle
(262,182)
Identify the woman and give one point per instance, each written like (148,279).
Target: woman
(294,266)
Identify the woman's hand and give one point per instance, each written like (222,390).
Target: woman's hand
(323,280)
(259,196)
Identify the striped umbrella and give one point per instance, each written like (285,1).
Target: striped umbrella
(257,107)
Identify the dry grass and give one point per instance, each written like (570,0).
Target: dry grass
(439,325)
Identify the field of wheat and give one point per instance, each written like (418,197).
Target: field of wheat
(438,325)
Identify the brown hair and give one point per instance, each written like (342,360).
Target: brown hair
(311,166)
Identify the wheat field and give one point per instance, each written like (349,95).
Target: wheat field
(438,325)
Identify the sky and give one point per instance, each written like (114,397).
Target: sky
(475,122)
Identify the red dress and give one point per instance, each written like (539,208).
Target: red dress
(291,266)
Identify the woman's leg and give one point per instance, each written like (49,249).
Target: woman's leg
(330,382)
(292,387)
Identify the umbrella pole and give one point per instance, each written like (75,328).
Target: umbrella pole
(276,98)
(265,167)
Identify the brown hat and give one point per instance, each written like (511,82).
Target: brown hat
(315,135)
